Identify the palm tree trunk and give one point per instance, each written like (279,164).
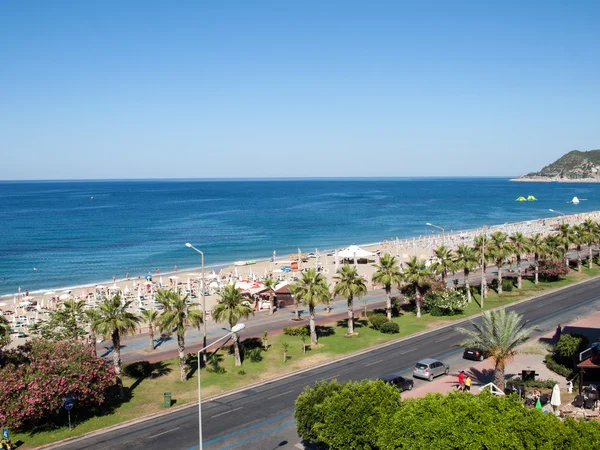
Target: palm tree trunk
(93,343)
(467,285)
(567,256)
(182,364)
(590,256)
(418,301)
(350,316)
(272,303)
(151,331)
(236,350)
(499,265)
(313,328)
(519,272)
(388,302)
(537,269)
(297,311)
(578,259)
(499,375)
(116,341)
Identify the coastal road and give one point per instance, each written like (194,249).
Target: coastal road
(261,417)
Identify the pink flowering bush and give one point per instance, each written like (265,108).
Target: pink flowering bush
(35,378)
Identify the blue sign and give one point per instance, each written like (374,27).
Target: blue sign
(68,402)
(69,406)
(5,433)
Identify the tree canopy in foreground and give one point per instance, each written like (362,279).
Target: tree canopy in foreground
(370,415)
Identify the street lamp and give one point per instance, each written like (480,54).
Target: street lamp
(236,328)
(561,213)
(203,287)
(439,228)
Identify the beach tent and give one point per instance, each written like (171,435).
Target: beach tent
(521,199)
(531,198)
(354,251)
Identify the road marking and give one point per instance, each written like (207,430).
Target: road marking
(227,412)
(164,432)
(279,395)
(329,378)
(374,362)
(440,340)
(407,350)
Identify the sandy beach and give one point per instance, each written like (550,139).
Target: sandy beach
(140,289)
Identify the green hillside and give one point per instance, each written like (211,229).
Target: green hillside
(573,165)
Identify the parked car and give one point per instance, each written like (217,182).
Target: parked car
(475,354)
(430,368)
(404,384)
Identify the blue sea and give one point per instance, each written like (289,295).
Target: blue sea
(80,232)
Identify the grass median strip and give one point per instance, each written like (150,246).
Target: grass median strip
(145,395)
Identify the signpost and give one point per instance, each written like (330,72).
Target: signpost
(5,434)
(69,406)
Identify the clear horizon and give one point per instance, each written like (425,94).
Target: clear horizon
(269,90)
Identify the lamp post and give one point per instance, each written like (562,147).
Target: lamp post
(483,282)
(439,228)
(187,244)
(234,329)
(558,212)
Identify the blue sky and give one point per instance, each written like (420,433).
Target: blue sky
(152,89)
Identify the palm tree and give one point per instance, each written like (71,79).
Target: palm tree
(270,285)
(71,315)
(590,235)
(387,274)
(578,239)
(499,334)
(482,244)
(176,315)
(351,285)
(520,245)
(499,251)
(150,316)
(467,259)
(114,321)
(92,316)
(554,246)
(311,289)
(444,261)
(538,247)
(418,276)
(231,310)
(566,234)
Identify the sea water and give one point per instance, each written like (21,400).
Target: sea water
(56,234)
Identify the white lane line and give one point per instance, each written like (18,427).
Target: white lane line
(408,350)
(440,340)
(279,395)
(164,432)
(227,412)
(329,378)
(374,362)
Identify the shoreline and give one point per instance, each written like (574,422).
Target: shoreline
(421,246)
(555,180)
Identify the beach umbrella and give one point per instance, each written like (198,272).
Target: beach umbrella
(555,399)
(236,272)
(127,289)
(188,284)
(160,281)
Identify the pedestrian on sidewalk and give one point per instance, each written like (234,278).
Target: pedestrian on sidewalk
(557,333)
(468,383)
(461,380)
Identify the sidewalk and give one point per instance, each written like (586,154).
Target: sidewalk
(483,372)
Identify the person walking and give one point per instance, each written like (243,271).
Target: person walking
(461,380)
(468,383)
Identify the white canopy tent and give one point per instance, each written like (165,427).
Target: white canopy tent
(355,252)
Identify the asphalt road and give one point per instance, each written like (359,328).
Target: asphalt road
(261,418)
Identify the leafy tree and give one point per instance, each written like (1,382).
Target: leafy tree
(570,345)
(551,269)
(306,414)
(350,285)
(4,332)
(418,277)
(114,320)
(270,284)
(445,302)
(64,323)
(467,259)
(499,334)
(150,316)
(311,290)
(499,251)
(37,376)
(387,274)
(519,245)
(231,310)
(175,316)
(444,261)
(538,247)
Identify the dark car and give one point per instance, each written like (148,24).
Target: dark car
(404,384)
(475,354)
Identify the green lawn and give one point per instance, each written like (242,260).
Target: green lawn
(146,395)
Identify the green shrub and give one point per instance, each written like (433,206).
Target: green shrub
(390,328)
(296,331)
(558,368)
(377,320)
(139,369)
(306,414)
(548,384)
(241,372)
(569,345)
(445,302)
(253,354)
(507,284)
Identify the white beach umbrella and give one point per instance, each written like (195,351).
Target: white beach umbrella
(127,289)
(555,399)
(236,272)
(160,281)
